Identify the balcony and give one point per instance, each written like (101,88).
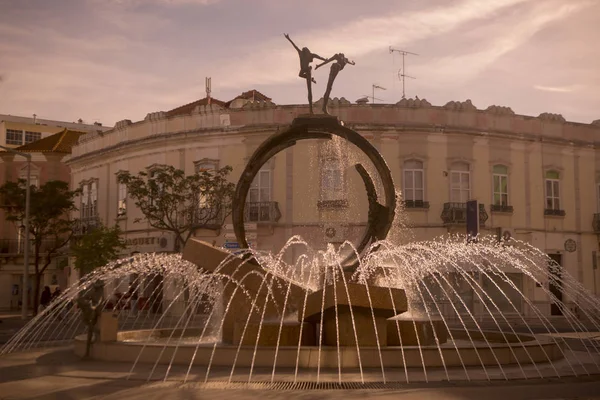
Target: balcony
(456,213)
(15,247)
(207,218)
(262,211)
(416,204)
(596,223)
(554,212)
(501,208)
(86,225)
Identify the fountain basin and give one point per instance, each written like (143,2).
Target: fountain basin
(153,346)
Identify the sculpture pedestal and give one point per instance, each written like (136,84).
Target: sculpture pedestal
(272,333)
(354,314)
(415,330)
(108,325)
(250,298)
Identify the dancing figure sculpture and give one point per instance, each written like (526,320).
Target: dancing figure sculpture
(306,57)
(339,65)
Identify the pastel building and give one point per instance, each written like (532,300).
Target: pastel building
(536,179)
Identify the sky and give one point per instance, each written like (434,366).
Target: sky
(108,60)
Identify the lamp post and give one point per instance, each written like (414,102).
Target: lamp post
(24,309)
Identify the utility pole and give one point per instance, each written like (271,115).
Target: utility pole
(401,74)
(24,301)
(376,87)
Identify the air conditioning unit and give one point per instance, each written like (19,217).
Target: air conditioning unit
(334,233)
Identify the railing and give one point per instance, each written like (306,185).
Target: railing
(11,247)
(555,212)
(456,213)
(87,225)
(596,223)
(262,211)
(416,204)
(207,217)
(501,208)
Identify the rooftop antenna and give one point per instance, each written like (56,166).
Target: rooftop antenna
(376,87)
(207,83)
(401,75)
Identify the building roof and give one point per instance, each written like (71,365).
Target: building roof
(187,108)
(61,142)
(79,126)
(253,95)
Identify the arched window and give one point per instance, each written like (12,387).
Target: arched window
(500,182)
(552,190)
(460,183)
(413,182)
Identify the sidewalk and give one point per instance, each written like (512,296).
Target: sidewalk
(11,324)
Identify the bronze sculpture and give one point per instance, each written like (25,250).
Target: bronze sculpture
(90,301)
(306,57)
(339,65)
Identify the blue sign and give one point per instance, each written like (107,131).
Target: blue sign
(233,245)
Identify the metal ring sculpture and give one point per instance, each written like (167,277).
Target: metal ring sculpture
(380,216)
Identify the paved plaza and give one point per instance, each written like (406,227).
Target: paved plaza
(58,374)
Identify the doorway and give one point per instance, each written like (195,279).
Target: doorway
(556,288)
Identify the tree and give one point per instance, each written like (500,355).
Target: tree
(97,248)
(181,204)
(50,227)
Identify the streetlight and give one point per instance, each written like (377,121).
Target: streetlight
(24,310)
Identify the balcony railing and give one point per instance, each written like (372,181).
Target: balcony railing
(13,247)
(501,208)
(596,223)
(207,217)
(456,213)
(87,225)
(555,212)
(262,211)
(416,204)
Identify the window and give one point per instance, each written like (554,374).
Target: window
(332,179)
(122,199)
(32,136)
(500,182)
(206,165)
(259,197)
(14,136)
(413,180)
(460,183)
(89,200)
(552,190)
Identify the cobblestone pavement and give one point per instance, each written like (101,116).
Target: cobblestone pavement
(58,374)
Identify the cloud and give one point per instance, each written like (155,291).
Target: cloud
(563,89)
(496,41)
(135,3)
(273,62)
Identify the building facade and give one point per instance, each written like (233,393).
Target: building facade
(536,179)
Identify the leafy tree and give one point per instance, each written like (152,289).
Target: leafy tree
(50,227)
(97,248)
(181,204)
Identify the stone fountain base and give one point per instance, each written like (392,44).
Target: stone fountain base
(410,330)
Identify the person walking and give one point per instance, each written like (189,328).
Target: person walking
(45,298)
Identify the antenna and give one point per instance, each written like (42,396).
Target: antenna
(376,87)
(207,83)
(401,74)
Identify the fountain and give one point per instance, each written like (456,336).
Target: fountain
(378,311)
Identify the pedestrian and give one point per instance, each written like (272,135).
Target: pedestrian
(45,298)
(133,300)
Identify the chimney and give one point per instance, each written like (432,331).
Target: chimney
(34,118)
(208,87)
